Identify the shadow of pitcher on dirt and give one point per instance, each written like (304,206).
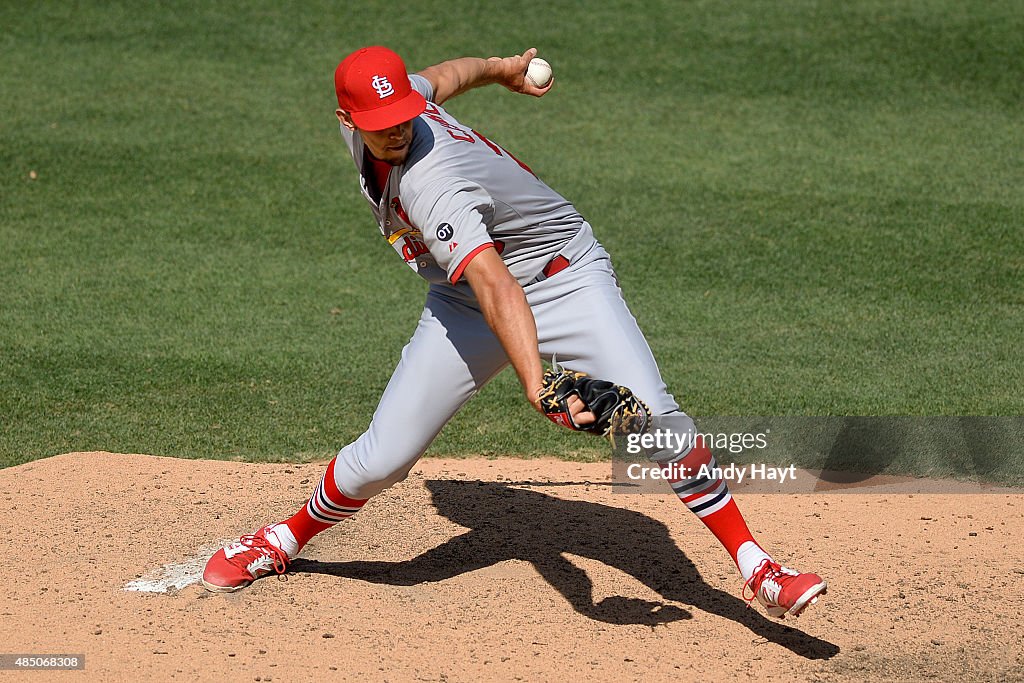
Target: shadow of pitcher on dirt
(506,522)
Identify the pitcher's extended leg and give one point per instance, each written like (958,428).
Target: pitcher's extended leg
(450,356)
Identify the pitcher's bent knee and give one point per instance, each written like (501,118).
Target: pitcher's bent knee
(680,440)
(361,475)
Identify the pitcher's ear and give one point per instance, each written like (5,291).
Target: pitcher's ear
(345,119)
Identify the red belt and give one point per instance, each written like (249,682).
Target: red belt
(555,265)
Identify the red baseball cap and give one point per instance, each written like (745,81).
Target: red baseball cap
(373,86)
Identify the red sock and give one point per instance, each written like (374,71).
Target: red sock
(707,496)
(325,508)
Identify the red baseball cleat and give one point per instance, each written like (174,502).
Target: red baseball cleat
(241,563)
(783,590)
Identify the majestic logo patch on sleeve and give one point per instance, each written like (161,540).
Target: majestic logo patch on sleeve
(445,232)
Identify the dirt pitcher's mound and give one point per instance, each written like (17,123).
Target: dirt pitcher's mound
(504,569)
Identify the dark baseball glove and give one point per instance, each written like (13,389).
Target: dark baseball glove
(617,409)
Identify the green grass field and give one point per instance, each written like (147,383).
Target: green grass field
(815,208)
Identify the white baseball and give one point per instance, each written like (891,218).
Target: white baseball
(539,72)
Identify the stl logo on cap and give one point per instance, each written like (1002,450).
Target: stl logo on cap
(383,86)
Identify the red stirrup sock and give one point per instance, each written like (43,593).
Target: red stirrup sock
(695,481)
(325,508)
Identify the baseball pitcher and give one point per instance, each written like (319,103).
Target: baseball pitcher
(516,276)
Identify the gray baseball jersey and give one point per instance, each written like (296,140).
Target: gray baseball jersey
(458,193)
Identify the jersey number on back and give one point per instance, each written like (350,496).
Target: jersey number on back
(457,133)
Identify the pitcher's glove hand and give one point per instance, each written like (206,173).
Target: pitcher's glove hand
(616,409)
